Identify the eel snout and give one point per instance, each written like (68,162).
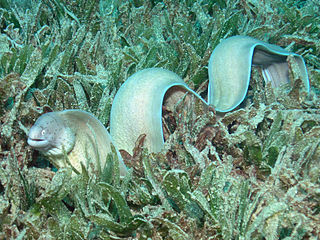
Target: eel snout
(37,139)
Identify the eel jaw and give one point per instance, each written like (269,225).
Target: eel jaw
(36,143)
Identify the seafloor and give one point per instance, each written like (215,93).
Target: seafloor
(253,173)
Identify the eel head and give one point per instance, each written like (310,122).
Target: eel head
(50,135)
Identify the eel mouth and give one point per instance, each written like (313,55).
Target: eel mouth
(38,143)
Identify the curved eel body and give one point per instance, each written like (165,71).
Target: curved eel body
(78,133)
(137,106)
(230,69)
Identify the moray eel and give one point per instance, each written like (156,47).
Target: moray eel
(137,106)
(78,133)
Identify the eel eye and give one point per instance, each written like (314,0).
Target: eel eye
(43,132)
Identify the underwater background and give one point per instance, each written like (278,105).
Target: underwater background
(253,173)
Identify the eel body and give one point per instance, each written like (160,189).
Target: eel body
(230,69)
(137,106)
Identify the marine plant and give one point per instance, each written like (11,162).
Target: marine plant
(250,174)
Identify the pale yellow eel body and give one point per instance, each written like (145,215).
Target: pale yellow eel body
(137,106)
(78,133)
